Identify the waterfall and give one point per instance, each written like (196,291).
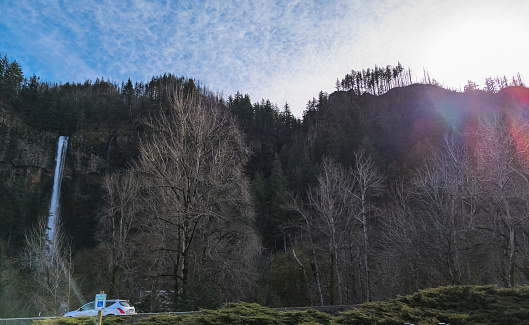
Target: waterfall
(55,267)
(62,143)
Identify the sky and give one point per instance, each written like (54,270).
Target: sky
(284,51)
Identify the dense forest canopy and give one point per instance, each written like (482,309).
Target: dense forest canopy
(383,187)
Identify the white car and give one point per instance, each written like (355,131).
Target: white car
(112,307)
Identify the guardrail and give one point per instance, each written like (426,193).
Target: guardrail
(133,318)
(21,321)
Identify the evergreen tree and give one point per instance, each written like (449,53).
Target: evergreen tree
(241,107)
(259,193)
(11,79)
(29,97)
(275,216)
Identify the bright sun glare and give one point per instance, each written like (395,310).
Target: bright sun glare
(486,44)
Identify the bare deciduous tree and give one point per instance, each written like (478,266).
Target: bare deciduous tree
(401,254)
(48,270)
(445,196)
(307,230)
(197,224)
(337,220)
(331,205)
(118,222)
(368,184)
(500,153)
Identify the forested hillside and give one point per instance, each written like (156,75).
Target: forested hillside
(177,198)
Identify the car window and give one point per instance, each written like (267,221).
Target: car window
(88,306)
(109,303)
(125,303)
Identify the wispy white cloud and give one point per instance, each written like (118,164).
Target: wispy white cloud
(282,50)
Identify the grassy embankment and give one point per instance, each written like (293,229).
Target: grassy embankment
(454,305)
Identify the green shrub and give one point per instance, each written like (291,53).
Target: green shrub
(241,313)
(452,304)
(310,316)
(163,319)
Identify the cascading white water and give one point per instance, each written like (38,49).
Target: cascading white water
(53,215)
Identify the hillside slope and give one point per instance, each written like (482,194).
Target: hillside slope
(403,124)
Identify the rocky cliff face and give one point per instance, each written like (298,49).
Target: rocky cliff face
(27,163)
(23,152)
(26,173)
(90,156)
